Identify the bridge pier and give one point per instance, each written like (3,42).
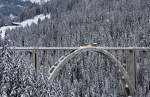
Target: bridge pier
(34,59)
(131,66)
(128,60)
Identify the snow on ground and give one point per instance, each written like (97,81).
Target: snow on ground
(24,23)
(37,1)
(34,20)
(4,29)
(12,16)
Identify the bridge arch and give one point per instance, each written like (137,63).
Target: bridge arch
(63,60)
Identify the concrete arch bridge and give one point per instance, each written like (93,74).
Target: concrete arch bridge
(129,74)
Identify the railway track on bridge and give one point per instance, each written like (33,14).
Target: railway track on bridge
(75,48)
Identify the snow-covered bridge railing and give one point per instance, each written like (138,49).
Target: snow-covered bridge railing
(75,48)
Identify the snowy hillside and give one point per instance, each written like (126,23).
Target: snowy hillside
(24,23)
(37,1)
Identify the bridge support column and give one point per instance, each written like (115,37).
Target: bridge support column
(34,59)
(131,67)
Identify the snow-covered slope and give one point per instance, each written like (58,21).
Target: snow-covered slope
(37,1)
(34,20)
(24,23)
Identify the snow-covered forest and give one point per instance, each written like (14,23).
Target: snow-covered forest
(109,23)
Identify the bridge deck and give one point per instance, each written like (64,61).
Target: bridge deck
(75,48)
